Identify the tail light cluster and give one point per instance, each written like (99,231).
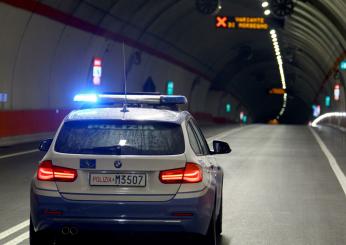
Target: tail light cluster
(48,172)
(192,173)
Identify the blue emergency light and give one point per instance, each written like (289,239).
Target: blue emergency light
(88,98)
(130,99)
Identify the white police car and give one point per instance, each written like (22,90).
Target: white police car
(140,168)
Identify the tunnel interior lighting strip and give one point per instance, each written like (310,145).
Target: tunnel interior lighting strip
(265,6)
(276,46)
(328,115)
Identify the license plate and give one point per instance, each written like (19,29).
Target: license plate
(119,179)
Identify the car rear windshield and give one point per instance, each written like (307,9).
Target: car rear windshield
(120,138)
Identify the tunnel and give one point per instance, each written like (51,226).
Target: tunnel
(266,77)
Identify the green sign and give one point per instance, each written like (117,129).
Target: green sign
(343,65)
(327,100)
(228,108)
(170,87)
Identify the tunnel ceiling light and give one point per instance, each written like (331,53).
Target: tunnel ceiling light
(280,62)
(267,12)
(265,4)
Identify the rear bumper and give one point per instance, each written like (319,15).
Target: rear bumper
(53,213)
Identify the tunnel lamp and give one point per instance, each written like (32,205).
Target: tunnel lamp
(275,40)
(327,101)
(267,12)
(170,88)
(265,4)
(228,108)
(343,65)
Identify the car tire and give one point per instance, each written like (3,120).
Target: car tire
(38,238)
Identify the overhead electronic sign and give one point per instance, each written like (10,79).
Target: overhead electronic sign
(3,97)
(337,92)
(316,110)
(241,22)
(97,71)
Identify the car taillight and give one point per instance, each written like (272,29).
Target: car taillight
(192,173)
(48,172)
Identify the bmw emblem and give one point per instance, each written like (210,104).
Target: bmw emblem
(118,164)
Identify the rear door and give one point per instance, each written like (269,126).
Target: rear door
(119,160)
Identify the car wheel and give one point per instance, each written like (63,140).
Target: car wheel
(38,238)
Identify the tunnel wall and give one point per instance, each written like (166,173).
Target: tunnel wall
(44,63)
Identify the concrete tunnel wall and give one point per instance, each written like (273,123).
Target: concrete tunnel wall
(44,63)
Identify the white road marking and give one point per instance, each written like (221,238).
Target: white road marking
(224,134)
(332,161)
(18,239)
(18,154)
(14,229)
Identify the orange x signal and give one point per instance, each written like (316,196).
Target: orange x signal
(221,21)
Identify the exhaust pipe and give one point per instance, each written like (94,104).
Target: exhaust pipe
(73,231)
(65,230)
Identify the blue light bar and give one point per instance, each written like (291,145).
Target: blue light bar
(136,99)
(173,99)
(91,98)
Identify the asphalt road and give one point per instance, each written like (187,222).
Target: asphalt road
(279,188)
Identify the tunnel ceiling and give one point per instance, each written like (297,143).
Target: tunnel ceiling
(241,62)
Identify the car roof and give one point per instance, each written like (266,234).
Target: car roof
(133,114)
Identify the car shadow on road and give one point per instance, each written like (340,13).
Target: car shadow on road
(132,239)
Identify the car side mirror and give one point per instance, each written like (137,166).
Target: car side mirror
(45,144)
(221,147)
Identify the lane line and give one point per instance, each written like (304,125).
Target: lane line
(332,161)
(18,239)
(225,134)
(18,154)
(14,229)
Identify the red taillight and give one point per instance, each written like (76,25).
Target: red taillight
(48,172)
(192,173)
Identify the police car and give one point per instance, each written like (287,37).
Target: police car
(143,166)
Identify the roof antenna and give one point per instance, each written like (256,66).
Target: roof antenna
(125,79)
